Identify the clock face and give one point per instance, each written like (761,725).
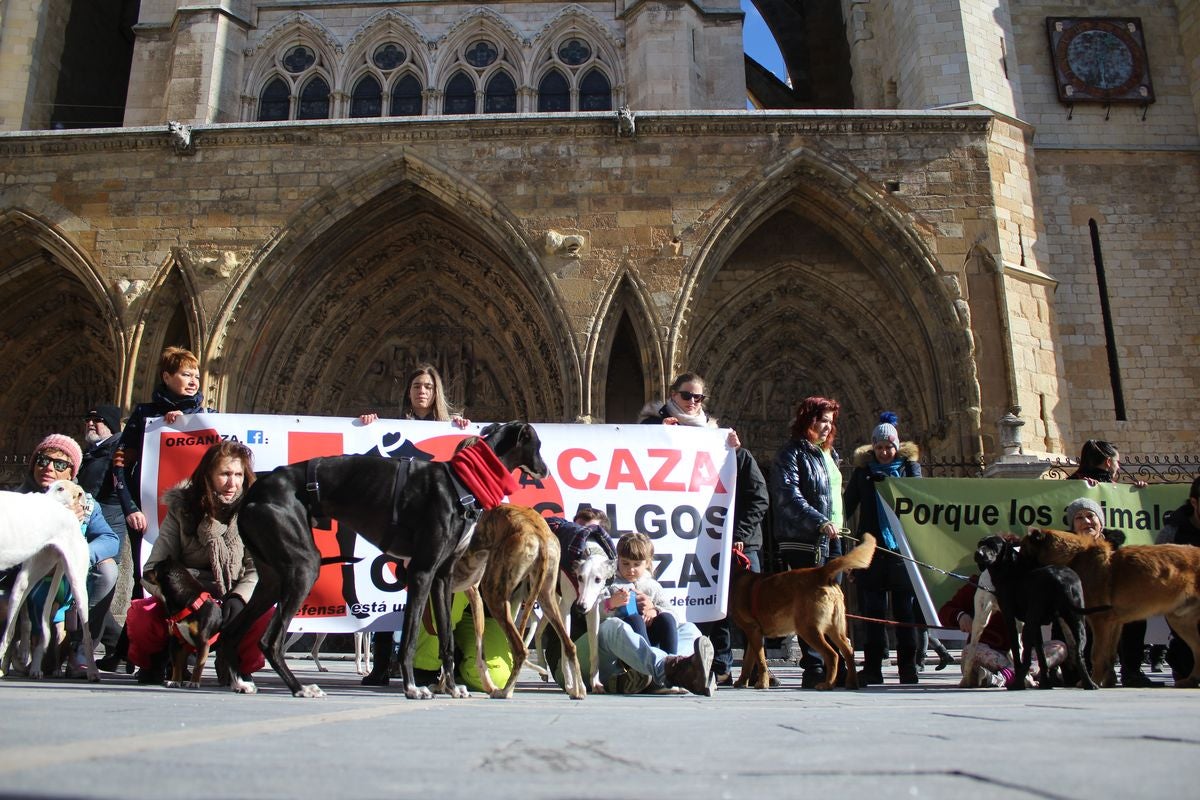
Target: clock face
(1100,59)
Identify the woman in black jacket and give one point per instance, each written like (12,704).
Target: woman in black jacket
(885,457)
(806,501)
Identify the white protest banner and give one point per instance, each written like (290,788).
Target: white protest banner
(673,483)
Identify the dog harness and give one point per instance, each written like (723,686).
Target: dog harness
(573,541)
(312,485)
(174,620)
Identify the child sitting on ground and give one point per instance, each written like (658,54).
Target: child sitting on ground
(637,598)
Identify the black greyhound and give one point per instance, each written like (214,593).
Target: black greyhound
(1037,596)
(408,509)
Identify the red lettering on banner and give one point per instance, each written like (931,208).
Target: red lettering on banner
(178,455)
(624,469)
(671,459)
(705,475)
(326,593)
(588,480)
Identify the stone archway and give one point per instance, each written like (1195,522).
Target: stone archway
(334,327)
(817,286)
(60,349)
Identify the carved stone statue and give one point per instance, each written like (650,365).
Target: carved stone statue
(626,123)
(181,138)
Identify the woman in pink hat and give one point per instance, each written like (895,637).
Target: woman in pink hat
(58,457)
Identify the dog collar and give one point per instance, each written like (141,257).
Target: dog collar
(200,600)
(174,620)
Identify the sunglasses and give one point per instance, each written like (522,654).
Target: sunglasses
(699,398)
(60,465)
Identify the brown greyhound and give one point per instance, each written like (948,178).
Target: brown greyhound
(513,555)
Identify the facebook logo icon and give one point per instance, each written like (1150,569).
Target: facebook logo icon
(255,437)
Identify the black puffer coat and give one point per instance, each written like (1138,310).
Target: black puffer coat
(800,497)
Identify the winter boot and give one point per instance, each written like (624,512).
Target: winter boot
(692,672)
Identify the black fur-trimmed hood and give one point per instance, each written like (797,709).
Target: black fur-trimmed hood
(908,451)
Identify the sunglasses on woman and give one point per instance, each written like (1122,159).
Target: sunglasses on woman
(699,398)
(41,461)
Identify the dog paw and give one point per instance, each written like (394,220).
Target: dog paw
(192,685)
(326,669)
(243,687)
(418,693)
(459,692)
(311,690)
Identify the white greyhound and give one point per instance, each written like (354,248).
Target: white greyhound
(985,605)
(580,585)
(40,532)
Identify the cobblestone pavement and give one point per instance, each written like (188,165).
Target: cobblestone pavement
(933,740)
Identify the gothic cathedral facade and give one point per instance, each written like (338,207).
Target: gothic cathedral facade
(951,209)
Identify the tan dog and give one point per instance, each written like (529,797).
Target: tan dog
(807,602)
(1138,581)
(514,556)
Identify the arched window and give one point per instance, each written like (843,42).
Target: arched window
(314,100)
(274,103)
(595,93)
(554,94)
(367,98)
(501,96)
(460,95)
(406,97)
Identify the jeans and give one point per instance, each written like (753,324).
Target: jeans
(101,585)
(661,633)
(620,644)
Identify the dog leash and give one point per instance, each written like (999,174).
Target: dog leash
(895,624)
(845,534)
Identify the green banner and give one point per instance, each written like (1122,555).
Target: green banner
(942,519)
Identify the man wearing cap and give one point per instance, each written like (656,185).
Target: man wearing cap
(101,435)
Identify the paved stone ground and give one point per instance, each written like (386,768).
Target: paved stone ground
(120,740)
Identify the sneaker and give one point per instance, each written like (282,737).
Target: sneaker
(692,672)
(723,679)
(811,678)
(77,664)
(627,681)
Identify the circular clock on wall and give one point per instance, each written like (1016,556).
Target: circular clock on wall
(1100,59)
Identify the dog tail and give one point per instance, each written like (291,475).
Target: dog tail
(858,558)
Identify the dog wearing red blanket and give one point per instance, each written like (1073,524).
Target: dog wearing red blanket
(193,618)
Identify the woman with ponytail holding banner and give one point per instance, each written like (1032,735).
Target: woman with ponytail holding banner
(884,458)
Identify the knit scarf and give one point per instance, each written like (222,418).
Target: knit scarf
(483,474)
(894,469)
(178,402)
(699,420)
(225,550)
